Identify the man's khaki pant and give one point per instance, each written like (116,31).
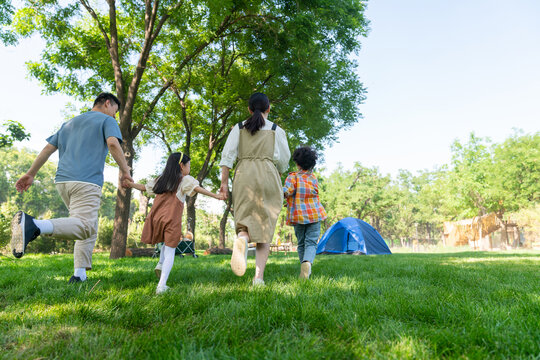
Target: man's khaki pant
(82,201)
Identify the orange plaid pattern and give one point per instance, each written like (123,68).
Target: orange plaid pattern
(302,193)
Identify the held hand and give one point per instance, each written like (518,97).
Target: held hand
(224,191)
(24,183)
(221,196)
(126,180)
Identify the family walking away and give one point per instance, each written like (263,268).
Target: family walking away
(258,147)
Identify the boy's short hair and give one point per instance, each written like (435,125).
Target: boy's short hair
(101,98)
(305,157)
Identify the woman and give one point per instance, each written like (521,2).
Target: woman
(263,153)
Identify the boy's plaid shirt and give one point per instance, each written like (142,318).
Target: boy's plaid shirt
(302,193)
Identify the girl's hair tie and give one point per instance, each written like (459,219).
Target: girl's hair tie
(181,157)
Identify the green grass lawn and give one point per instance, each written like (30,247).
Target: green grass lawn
(456,305)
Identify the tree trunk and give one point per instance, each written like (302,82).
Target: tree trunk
(223,223)
(514,238)
(504,235)
(443,238)
(378,224)
(517,237)
(191,217)
(121,215)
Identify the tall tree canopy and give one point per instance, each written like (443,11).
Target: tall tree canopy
(191,65)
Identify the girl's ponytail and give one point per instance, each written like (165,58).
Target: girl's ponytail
(258,103)
(172,174)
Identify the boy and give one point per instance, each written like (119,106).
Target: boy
(304,210)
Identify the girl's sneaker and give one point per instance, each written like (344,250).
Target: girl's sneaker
(162,289)
(305,270)
(258,282)
(157,270)
(239,256)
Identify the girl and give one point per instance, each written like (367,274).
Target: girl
(164,222)
(263,153)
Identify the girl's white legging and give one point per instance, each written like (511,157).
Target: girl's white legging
(167,257)
(162,255)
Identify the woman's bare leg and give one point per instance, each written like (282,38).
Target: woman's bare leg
(261,257)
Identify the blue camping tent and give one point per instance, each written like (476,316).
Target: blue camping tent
(352,236)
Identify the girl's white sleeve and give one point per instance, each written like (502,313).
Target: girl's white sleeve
(150,187)
(187,187)
(230,150)
(282,153)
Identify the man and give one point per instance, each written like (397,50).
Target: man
(83,143)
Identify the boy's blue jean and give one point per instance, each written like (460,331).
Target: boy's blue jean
(307,235)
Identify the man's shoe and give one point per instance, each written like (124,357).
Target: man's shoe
(23,230)
(74,279)
(157,270)
(258,282)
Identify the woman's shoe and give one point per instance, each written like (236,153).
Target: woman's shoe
(239,256)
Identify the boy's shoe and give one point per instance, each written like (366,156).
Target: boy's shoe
(305,270)
(23,230)
(258,282)
(162,289)
(74,279)
(157,270)
(239,256)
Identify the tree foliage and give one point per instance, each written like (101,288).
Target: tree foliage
(14,131)
(6,16)
(483,177)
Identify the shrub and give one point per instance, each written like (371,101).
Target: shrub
(105,232)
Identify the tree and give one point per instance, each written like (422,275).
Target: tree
(495,178)
(14,131)
(516,172)
(360,193)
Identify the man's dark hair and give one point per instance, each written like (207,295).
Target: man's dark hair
(104,97)
(305,157)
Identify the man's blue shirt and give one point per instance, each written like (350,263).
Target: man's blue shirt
(82,147)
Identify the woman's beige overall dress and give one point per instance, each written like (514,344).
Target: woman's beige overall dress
(257,190)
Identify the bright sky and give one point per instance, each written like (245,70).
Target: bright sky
(435,71)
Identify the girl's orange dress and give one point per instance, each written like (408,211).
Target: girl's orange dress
(164,222)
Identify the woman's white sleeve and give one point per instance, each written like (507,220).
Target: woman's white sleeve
(188,185)
(282,153)
(150,187)
(230,150)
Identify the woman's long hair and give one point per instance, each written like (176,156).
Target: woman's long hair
(259,104)
(171,177)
